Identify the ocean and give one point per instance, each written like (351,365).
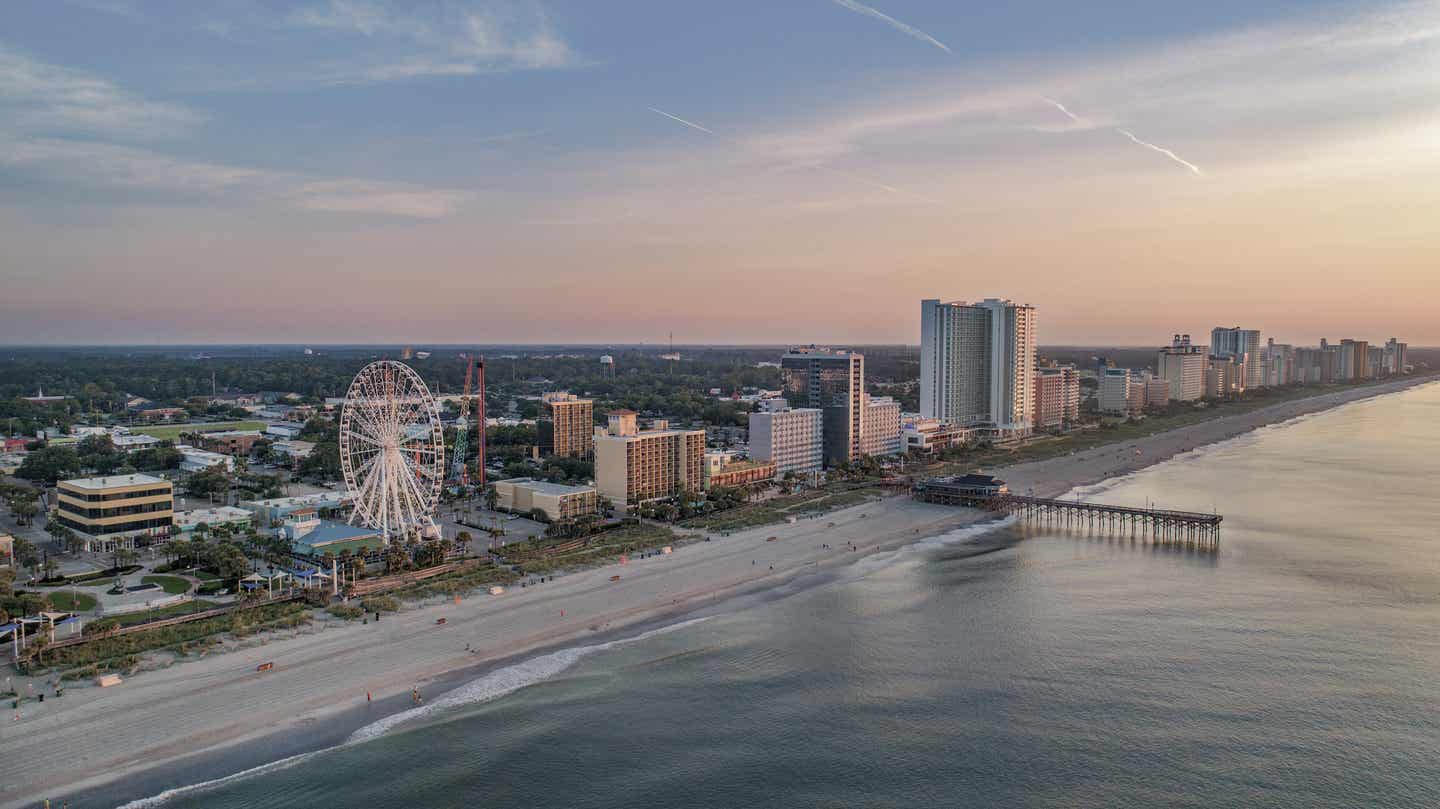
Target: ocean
(997,666)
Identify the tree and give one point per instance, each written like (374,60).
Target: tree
(538,515)
(491,497)
(49,465)
(323,462)
(25,554)
(229,561)
(24,511)
(122,557)
(50,567)
(208,482)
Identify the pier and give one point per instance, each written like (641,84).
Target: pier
(1160,526)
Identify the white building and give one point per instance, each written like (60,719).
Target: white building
(284,432)
(1183,365)
(792,439)
(236,519)
(293,451)
(977,364)
(198,460)
(126,442)
(880,428)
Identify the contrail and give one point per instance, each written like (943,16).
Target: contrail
(812,166)
(690,124)
(1162,150)
(909,30)
(1057,105)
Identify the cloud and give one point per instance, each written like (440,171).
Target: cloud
(130,169)
(43,98)
(410,41)
(908,30)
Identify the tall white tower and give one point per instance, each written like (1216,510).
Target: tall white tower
(977,363)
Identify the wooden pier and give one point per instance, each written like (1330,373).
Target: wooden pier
(1160,526)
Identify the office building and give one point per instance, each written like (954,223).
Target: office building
(1057,397)
(834,383)
(118,511)
(1242,346)
(977,364)
(1183,364)
(792,439)
(881,427)
(634,465)
(559,503)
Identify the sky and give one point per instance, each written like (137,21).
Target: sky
(550,171)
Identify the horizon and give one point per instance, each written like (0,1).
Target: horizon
(551,173)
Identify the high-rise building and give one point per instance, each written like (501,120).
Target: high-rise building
(833,382)
(977,363)
(118,511)
(1154,391)
(881,427)
(1057,396)
(792,439)
(1115,394)
(1222,377)
(634,465)
(1354,360)
(567,426)
(1183,365)
(1396,356)
(1279,363)
(1243,346)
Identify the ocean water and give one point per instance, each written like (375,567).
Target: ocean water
(1298,667)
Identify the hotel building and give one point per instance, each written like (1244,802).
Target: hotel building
(833,382)
(634,465)
(881,427)
(1183,364)
(567,426)
(792,439)
(1243,346)
(1057,397)
(118,511)
(977,364)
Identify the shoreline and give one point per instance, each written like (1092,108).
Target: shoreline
(215,716)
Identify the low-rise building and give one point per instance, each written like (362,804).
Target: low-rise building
(235,519)
(116,511)
(284,432)
(133,442)
(930,434)
(794,440)
(199,460)
(162,413)
(314,539)
(633,465)
(293,451)
(723,470)
(230,442)
(559,502)
(275,510)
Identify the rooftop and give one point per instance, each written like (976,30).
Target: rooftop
(113,481)
(546,487)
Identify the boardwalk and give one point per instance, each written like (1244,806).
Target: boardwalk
(1163,527)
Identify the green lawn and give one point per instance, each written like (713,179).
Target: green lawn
(165,612)
(71,601)
(173,585)
(170,432)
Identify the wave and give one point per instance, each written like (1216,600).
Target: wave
(496,684)
(963,534)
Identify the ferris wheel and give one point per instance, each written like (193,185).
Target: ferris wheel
(392,449)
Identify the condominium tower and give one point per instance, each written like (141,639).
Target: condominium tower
(792,439)
(833,382)
(977,363)
(1243,346)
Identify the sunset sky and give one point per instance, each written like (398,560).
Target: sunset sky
(806,170)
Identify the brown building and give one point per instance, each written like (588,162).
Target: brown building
(230,442)
(741,473)
(1057,396)
(567,426)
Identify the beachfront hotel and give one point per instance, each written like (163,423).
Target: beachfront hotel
(1242,346)
(977,364)
(634,465)
(118,511)
(1183,364)
(792,439)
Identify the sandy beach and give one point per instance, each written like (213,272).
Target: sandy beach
(121,742)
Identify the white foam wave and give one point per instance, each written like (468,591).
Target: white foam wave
(962,534)
(491,686)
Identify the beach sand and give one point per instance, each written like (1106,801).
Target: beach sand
(217,714)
